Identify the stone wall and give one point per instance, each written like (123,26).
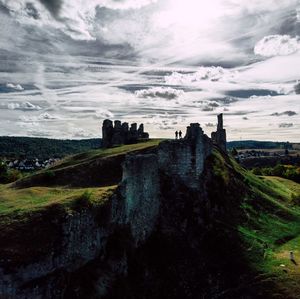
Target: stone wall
(118,133)
(184,158)
(142,194)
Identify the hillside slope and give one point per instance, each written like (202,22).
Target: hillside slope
(95,168)
(270,230)
(228,238)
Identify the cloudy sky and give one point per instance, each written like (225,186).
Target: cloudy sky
(66,65)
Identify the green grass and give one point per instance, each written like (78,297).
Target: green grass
(220,167)
(271,230)
(103,153)
(20,201)
(96,168)
(268,226)
(285,188)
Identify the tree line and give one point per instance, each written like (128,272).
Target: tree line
(43,148)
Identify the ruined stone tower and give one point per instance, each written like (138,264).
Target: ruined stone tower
(219,137)
(184,158)
(107,132)
(118,133)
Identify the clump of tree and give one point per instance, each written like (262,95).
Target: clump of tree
(290,172)
(8,175)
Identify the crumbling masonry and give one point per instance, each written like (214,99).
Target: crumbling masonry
(181,160)
(219,137)
(118,133)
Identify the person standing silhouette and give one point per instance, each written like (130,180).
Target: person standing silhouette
(176,135)
(180,134)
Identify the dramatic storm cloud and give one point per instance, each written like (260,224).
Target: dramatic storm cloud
(65,65)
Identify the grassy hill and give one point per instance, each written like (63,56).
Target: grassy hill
(269,228)
(35,192)
(18,202)
(266,216)
(32,208)
(94,168)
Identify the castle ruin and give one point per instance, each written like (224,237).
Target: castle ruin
(165,191)
(181,161)
(118,133)
(219,137)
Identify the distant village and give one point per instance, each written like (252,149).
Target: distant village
(260,153)
(30,165)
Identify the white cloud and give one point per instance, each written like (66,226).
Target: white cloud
(277,45)
(81,133)
(125,4)
(28,124)
(17,87)
(204,73)
(44,116)
(23,106)
(277,69)
(79,109)
(47,116)
(75,18)
(160,92)
(103,113)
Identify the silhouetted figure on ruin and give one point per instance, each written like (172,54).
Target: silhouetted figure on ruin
(176,135)
(180,134)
